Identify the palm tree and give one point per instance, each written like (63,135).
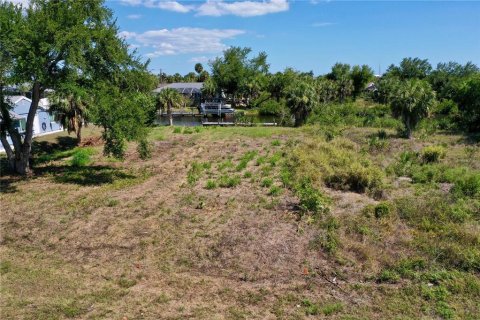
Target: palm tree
(168,99)
(412,102)
(301,99)
(71,110)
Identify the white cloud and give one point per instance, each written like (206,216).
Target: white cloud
(134,16)
(322,24)
(161,4)
(217,8)
(241,8)
(202,59)
(182,40)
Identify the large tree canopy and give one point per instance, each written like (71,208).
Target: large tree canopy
(52,43)
(412,101)
(236,74)
(411,68)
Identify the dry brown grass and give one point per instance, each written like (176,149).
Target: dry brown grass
(146,244)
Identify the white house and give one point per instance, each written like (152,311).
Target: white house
(43,123)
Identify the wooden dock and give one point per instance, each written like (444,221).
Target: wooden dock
(239,124)
(182,114)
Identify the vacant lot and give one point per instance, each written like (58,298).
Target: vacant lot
(245,223)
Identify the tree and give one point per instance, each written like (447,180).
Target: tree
(360,76)
(51,43)
(198,68)
(70,107)
(234,70)
(411,102)
(341,75)
(301,99)
(190,77)
(445,79)
(203,76)
(278,82)
(411,68)
(168,99)
(209,89)
(326,90)
(468,97)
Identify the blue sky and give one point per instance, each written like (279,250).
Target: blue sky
(306,35)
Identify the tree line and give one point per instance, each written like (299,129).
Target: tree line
(413,89)
(73,47)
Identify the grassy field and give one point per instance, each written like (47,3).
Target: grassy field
(245,223)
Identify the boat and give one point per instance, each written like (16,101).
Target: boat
(216,107)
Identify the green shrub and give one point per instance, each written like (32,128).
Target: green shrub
(388,276)
(355,177)
(311,309)
(332,308)
(247,175)
(228,181)
(311,199)
(144,149)
(275,191)
(337,164)
(267,182)
(276,143)
(194,173)
(275,158)
(227,164)
(377,144)
(272,108)
(246,158)
(81,157)
(432,154)
(468,186)
(210,185)
(261,160)
(382,134)
(382,209)
(177,129)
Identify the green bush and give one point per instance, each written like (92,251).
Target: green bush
(377,144)
(210,185)
(267,182)
(177,129)
(355,178)
(275,191)
(194,173)
(337,164)
(272,108)
(245,159)
(432,154)
(276,143)
(382,209)
(311,199)
(144,149)
(228,181)
(81,157)
(468,186)
(388,276)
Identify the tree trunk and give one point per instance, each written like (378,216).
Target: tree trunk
(79,132)
(23,150)
(170,115)
(408,127)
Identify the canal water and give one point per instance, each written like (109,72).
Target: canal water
(193,121)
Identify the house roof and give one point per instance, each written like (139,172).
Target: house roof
(182,87)
(13,116)
(16,99)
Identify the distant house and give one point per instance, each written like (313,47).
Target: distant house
(371,87)
(43,123)
(192,90)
